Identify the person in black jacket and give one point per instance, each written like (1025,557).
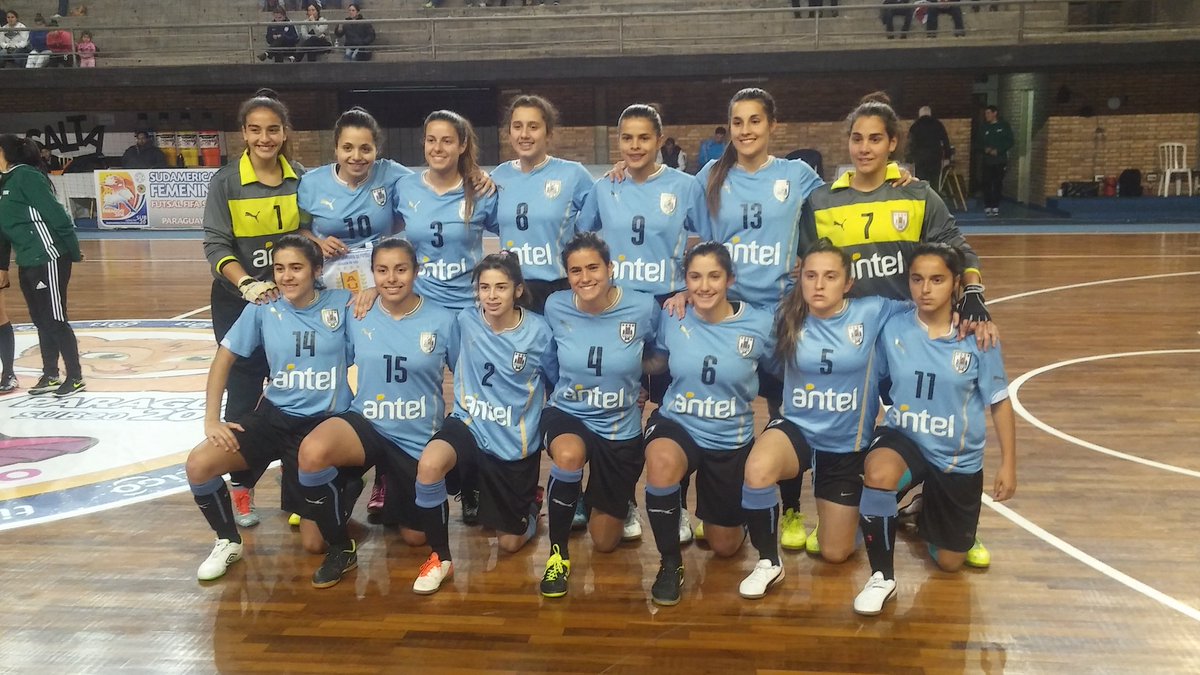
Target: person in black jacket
(281,40)
(357,34)
(928,145)
(143,154)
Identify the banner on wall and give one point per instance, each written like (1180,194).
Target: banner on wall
(151,198)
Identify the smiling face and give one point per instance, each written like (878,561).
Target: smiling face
(497,294)
(708,282)
(395,273)
(356,153)
(590,277)
(443,146)
(870,144)
(824,282)
(750,128)
(528,135)
(639,143)
(294,275)
(264,134)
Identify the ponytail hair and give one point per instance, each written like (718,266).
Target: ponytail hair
(18,150)
(714,248)
(643,111)
(468,162)
(952,256)
(391,243)
(789,318)
(358,118)
(876,104)
(269,99)
(720,171)
(507,262)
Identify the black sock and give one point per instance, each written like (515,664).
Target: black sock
(762,519)
(877,518)
(789,492)
(683,490)
(662,505)
(323,499)
(214,502)
(247,479)
(432,502)
(562,493)
(8,349)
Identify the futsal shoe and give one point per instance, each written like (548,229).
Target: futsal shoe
(9,384)
(378,495)
(765,575)
(432,574)
(70,387)
(294,520)
(907,513)
(791,530)
(698,531)
(877,591)
(580,519)
(224,554)
(811,544)
(244,513)
(46,384)
(665,590)
(978,555)
(470,507)
(337,563)
(632,530)
(685,527)
(554,581)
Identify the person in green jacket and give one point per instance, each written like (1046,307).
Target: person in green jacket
(996,139)
(37,227)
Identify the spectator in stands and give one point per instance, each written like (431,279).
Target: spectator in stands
(314,33)
(39,53)
(928,145)
(817,3)
(955,13)
(712,148)
(62,46)
(64,8)
(996,139)
(52,162)
(357,34)
(281,39)
(143,154)
(889,17)
(673,155)
(14,40)
(87,50)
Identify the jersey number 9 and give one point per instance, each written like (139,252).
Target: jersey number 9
(639,230)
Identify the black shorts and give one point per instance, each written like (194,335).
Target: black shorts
(271,434)
(656,385)
(399,471)
(719,473)
(950,515)
(616,465)
(539,291)
(506,489)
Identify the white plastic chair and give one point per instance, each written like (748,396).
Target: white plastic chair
(1172,158)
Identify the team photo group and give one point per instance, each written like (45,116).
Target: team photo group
(854,308)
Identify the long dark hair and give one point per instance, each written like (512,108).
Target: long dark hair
(308,249)
(714,248)
(468,162)
(505,261)
(720,171)
(18,150)
(789,318)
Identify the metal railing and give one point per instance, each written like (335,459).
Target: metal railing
(517,32)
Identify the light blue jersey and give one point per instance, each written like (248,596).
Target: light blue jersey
(356,216)
(537,212)
(600,360)
(646,227)
(714,371)
(759,222)
(448,249)
(401,362)
(831,390)
(942,389)
(306,350)
(500,382)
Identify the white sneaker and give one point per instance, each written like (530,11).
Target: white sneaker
(432,574)
(685,527)
(244,513)
(877,591)
(765,575)
(224,554)
(633,525)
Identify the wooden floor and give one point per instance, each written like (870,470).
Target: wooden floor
(1095,570)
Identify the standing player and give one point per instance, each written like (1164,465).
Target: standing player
(934,433)
(304,337)
(705,424)
(251,204)
(599,332)
(826,345)
(43,234)
(505,363)
(540,197)
(401,348)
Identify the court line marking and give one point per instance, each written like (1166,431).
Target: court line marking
(1101,567)
(1015,386)
(191,313)
(1085,284)
(1064,255)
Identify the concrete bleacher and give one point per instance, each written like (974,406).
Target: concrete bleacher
(214,32)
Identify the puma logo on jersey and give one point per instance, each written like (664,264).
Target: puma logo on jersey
(369,332)
(840,224)
(414,205)
(327,202)
(253,215)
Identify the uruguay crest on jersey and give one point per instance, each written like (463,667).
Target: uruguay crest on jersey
(855,332)
(427,341)
(961,361)
(518,362)
(379,195)
(666,202)
(332,318)
(782,189)
(745,344)
(900,220)
(628,331)
(553,188)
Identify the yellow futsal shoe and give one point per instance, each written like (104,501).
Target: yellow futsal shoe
(698,530)
(791,530)
(978,555)
(811,544)
(294,520)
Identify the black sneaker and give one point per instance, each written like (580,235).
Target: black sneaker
(70,387)
(665,590)
(554,581)
(9,384)
(470,507)
(337,562)
(47,384)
